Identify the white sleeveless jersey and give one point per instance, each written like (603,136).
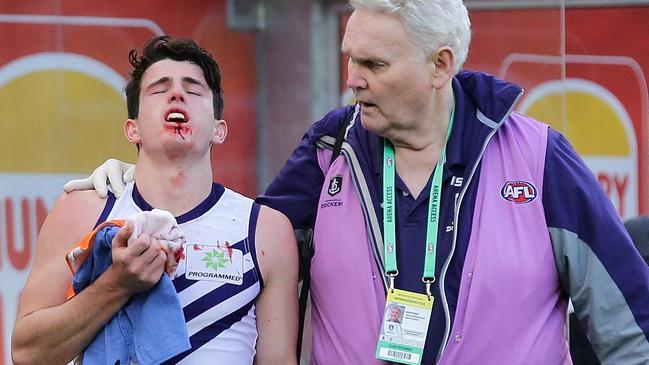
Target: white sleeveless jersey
(218,280)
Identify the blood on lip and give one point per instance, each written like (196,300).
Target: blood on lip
(182,130)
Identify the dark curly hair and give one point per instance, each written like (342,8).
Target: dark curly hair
(177,49)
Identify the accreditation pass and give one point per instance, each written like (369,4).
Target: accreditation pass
(404,327)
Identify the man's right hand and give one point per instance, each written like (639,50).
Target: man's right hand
(113,173)
(139,264)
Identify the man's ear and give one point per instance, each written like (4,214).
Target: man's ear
(220,131)
(131,131)
(442,64)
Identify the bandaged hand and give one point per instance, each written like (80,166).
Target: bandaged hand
(113,173)
(161,225)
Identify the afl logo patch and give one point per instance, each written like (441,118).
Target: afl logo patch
(518,192)
(335,184)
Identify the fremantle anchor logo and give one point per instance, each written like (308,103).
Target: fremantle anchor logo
(335,185)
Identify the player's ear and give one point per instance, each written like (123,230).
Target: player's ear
(131,131)
(220,131)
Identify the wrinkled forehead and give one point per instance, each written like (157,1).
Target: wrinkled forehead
(168,68)
(371,32)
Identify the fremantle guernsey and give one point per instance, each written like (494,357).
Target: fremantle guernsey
(218,280)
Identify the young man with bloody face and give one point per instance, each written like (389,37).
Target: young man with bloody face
(175,107)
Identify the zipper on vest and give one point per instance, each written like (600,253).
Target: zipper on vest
(442,290)
(372,225)
(458,205)
(371,220)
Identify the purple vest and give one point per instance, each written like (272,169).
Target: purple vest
(509,309)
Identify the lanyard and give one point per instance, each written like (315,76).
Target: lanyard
(389,212)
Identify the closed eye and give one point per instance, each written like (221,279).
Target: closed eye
(372,65)
(369,64)
(193,86)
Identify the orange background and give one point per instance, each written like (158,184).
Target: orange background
(588,31)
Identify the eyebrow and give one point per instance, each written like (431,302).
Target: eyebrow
(360,59)
(191,80)
(167,79)
(162,80)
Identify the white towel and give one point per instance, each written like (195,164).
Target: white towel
(162,225)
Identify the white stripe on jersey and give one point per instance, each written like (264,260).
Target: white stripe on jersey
(219,311)
(231,349)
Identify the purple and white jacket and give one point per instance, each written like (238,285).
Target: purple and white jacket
(524,226)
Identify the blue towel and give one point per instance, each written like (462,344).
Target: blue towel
(149,329)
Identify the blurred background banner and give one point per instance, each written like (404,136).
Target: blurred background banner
(586,77)
(63,65)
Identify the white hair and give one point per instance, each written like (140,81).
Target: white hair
(430,23)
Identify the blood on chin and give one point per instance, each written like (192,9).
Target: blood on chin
(179,129)
(177,143)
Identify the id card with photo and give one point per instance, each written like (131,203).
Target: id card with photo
(404,327)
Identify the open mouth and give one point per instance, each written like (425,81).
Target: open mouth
(176,117)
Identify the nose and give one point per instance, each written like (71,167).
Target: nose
(176,93)
(355,78)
